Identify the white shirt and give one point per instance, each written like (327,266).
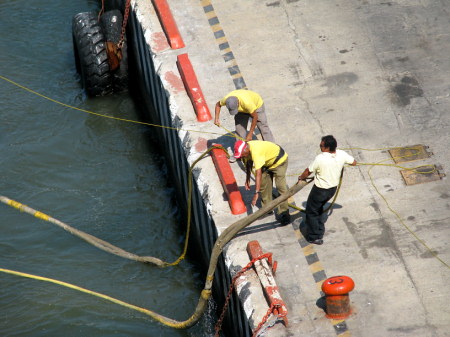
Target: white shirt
(327,168)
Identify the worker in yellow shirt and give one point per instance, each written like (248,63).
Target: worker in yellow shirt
(269,162)
(243,104)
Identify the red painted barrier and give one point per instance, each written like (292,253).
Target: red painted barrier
(168,24)
(265,271)
(193,88)
(228,181)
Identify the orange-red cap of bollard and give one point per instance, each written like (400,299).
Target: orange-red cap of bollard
(338,285)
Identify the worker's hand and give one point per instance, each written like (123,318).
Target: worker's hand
(217,122)
(247,185)
(249,137)
(304,175)
(255,199)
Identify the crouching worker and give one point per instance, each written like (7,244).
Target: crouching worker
(243,105)
(269,162)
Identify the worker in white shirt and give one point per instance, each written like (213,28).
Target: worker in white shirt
(327,168)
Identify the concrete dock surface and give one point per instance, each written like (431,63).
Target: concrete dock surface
(373,73)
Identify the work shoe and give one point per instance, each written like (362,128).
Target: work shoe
(231,158)
(316,242)
(285,218)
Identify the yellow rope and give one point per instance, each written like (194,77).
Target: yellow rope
(402,222)
(154,315)
(229,134)
(415,169)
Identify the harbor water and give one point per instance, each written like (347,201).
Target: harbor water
(99,175)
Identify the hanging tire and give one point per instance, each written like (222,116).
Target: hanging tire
(91,58)
(111,23)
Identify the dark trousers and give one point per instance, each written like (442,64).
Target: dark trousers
(318,197)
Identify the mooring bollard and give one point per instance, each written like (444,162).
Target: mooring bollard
(337,300)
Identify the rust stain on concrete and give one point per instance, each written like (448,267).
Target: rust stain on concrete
(159,42)
(201,144)
(175,81)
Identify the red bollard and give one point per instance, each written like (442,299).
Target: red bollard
(337,300)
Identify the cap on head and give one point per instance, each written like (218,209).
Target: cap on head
(232,104)
(239,147)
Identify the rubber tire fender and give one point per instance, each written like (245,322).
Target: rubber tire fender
(91,58)
(111,23)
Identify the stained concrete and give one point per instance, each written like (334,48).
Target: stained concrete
(375,75)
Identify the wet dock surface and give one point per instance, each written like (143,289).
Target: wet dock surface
(375,75)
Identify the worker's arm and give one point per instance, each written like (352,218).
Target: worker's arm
(254,117)
(217,114)
(248,170)
(258,175)
(304,175)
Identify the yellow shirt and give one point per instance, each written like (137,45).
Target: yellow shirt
(264,153)
(249,100)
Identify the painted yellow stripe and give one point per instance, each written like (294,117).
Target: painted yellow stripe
(221,40)
(236,76)
(308,250)
(315,267)
(216,28)
(210,15)
(337,321)
(298,235)
(226,50)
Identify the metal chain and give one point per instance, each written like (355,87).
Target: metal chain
(270,323)
(101,10)
(273,308)
(230,291)
(124,25)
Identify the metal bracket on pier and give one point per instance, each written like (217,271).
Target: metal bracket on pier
(266,270)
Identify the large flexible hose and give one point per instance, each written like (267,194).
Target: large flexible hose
(225,237)
(202,304)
